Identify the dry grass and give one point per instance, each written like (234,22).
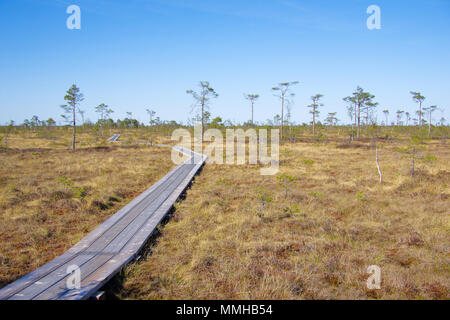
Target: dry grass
(314,240)
(50,197)
(317,242)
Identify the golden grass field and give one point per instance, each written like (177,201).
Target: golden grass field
(51,197)
(317,241)
(314,238)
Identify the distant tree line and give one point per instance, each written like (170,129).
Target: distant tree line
(361,109)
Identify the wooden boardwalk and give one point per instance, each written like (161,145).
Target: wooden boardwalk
(114,137)
(108,248)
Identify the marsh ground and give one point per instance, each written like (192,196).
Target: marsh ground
(313,239)
(51,197)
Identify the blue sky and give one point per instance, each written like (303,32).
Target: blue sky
(140,54)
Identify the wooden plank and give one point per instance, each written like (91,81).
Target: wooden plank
(85,243)
(107,249)
(114,247)
(114,138)
(124,237)
(103,245)
(95,280)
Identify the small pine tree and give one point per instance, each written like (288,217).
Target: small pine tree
(73,98)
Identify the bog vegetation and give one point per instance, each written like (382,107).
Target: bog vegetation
(50,198)
(346,197)
(312,231)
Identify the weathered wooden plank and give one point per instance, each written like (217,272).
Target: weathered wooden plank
(114,137)
(95,280)
(109,243)
(127,254)
(125,237)
(104,251)
(87,241)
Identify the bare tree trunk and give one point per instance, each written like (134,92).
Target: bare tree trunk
(378,164)
(101,125)
(314,121)
(359,119)
(282,114)
(429,125)
(203,120)
(420,114)
(74,129)
(252,113)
